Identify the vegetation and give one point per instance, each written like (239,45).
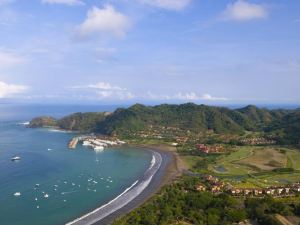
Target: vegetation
(287,129)
(44,121)
(249,160)
(192,117)
(87,122)
(181,203)
(249,166)
(167,120)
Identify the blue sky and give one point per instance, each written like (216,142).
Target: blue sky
(125,51)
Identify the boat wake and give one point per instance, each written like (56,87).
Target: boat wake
(124,198)
(58,131)
(24,123)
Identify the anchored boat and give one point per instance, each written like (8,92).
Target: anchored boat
(16,158)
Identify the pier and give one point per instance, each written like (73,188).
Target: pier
(73,143)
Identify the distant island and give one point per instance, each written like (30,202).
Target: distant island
(232,166)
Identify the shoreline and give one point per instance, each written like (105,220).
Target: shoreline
(171,167)
(168,169)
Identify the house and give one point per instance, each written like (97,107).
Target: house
(296,188)
(210,178)
(258,192)
(215,188)
(270,191)
(287,190)
(280,190)
(201,187)
(236,191)
(247,191)
(210,149)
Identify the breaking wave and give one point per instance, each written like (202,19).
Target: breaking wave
(124,198)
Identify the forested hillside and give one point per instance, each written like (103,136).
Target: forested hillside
(284,124)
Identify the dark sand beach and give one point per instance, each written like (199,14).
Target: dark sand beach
(170,167)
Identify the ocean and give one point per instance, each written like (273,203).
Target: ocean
(57,185)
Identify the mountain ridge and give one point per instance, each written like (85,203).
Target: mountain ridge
(186,117)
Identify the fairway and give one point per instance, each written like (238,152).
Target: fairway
(265,159)
(244,160)
(294,157)
(253,166)
(228,162)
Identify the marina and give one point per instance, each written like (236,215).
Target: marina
(98,144)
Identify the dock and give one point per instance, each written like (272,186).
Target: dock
(73,143)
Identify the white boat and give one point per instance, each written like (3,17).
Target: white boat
(16,158)
(98,148)
(86,143)
(17,194)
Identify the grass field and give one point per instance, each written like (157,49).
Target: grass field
(265,159)
(253,166)
(191,161)
(294,158)
(228,162)
(250,166)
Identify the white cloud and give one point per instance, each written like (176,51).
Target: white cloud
(192,96)
(120,95)
(153,96)
(186,96)
(7,90)
(105,90)
(10,59)
(100,86)
(242,10)
(65,2)
(104,20)
(167,4)
(106,86)
(211,98)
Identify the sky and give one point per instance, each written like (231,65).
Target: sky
(150,51)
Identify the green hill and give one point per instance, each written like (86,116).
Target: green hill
(190,117)
(85,122)
(287,129)
(284,124)
(43,121)
(186,117)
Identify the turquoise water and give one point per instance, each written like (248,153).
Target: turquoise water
(76,181)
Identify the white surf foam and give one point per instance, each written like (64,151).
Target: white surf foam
(124,198)
(96,210)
